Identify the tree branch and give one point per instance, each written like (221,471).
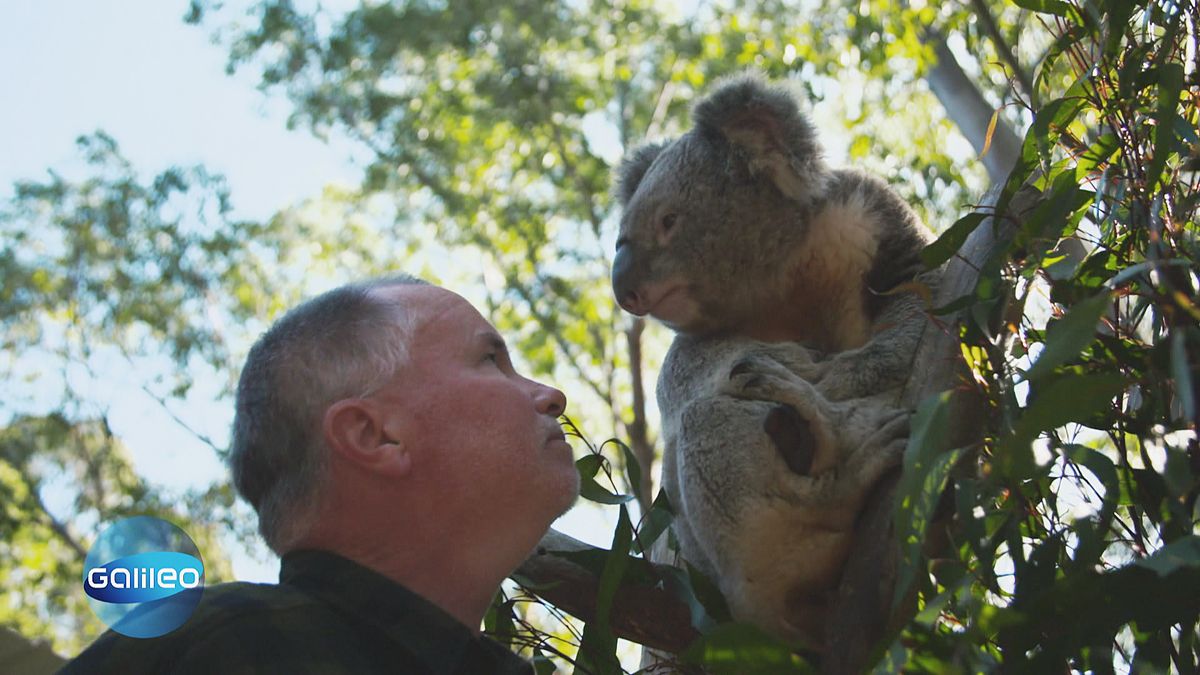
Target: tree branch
(35,496)
(645,614)
(984,14)
(642,448)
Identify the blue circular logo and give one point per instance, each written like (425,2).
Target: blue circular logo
(143,577)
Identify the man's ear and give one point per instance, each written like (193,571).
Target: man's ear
(354,430)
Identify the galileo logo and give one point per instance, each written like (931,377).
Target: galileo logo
(143,577)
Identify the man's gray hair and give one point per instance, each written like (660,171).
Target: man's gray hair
(345,343)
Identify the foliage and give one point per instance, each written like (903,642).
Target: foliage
(1076,543)
(100,274)
(45,550)
(106,276)
(500,124)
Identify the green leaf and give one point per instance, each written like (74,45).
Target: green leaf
(951,240)
(654,523)
(1079,607)
(1068,398)
(588,466)
(598,648)
(738,648)
(1182,374)
(1143,268)
(498,622)
(1044,133)
(1057,214)
(543,665)
(1119,12)
(1068,336)
(1062,44)
(708,594)
(1178,475)
(927,466)
(1180,554)
(1039,573)
(1055,7)
(633,469)
(683,586)
(1170,85)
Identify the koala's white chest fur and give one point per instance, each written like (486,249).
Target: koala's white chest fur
(825,278)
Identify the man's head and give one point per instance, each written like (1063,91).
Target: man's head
(389,386)
(343,343)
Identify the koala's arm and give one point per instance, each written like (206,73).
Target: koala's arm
(885,362)
(897,312)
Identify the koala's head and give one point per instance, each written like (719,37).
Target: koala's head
(711,219)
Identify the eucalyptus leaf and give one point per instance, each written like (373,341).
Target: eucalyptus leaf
(1067,337)
(739,649)
(950,241)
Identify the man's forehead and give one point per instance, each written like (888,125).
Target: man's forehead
(431,308)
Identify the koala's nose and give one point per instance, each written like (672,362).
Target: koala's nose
(631,302)
(624,282)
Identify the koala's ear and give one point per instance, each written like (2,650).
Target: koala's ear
(765,125)
(633,168)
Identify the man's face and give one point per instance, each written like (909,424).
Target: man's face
(489,436)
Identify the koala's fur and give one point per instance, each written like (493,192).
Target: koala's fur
(778,396)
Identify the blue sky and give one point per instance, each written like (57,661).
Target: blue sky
(158,86)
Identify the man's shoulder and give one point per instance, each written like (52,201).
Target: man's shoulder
(229,623)
(230,601)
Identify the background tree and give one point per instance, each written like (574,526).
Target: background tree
(493,131)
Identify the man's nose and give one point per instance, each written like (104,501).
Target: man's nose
(549,401)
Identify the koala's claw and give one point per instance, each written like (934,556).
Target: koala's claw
(742,367)
(745,376)
(890,438)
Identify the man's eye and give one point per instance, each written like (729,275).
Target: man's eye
(492,356)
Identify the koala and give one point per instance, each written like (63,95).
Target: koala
(785,281)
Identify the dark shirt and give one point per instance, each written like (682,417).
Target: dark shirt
(326,615)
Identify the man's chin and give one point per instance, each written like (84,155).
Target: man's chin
(570,497)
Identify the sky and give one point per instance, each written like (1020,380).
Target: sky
(158,86)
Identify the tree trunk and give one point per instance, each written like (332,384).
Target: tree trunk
(970,111)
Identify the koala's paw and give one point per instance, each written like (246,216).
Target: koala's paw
(879,435)
(798,425)
(861,372)
(761,378)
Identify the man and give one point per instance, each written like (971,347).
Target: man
(402,469)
